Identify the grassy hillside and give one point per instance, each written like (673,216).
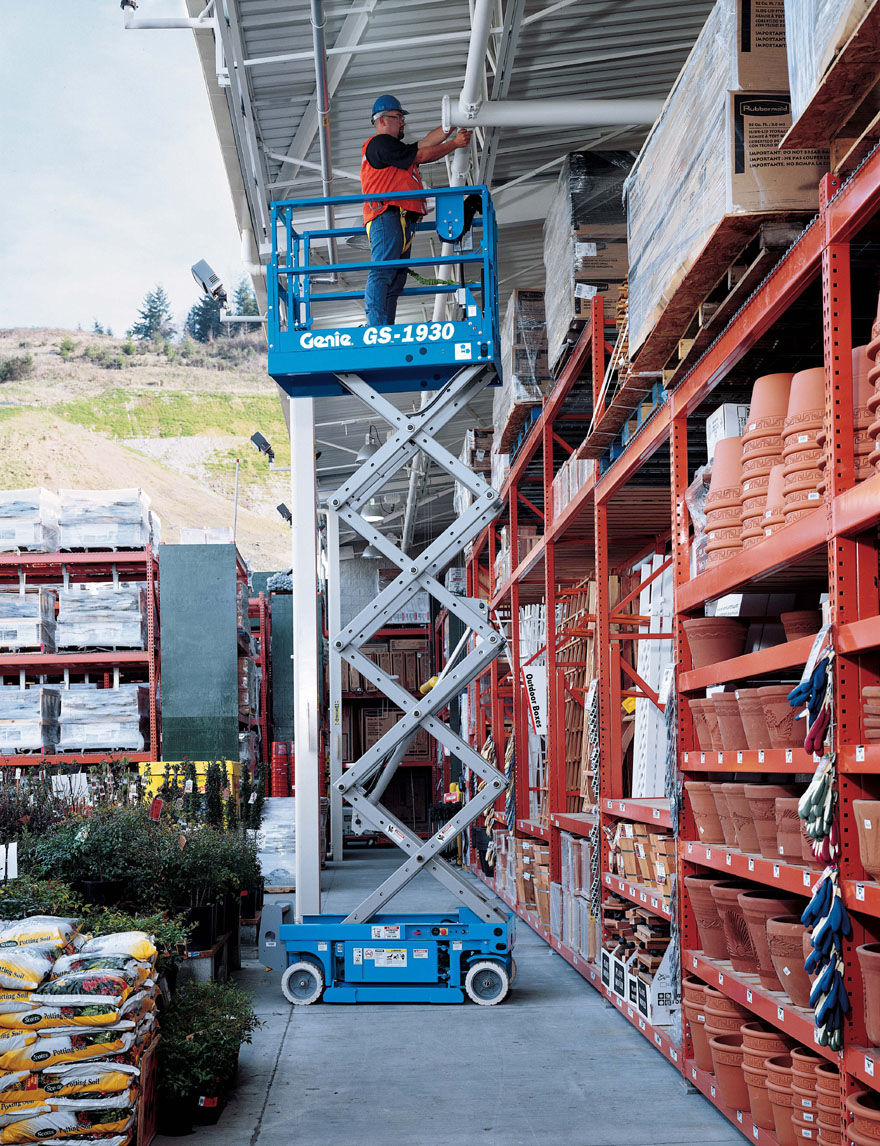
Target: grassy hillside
(97,412)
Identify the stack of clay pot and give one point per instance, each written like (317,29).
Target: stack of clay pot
(785,939)
(714,639)
(762,802)
(829,1111)
(757,908)
(695,1013)
(863,417)
(706,724)
(773,518)
(800,450)
(724,502)
(761,450)
(801,623)
(869,963)
(864,1109)
(874,399)
(783,731)
(761,1043)
(867,817)
(871,713)
(724,1020)
(751,712)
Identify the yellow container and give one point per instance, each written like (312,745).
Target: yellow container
(153,774)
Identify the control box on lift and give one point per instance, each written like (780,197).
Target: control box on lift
(398,959)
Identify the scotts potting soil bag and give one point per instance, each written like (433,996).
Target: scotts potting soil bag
(121,1100)
(138,972)
(89,1140)
(75,1080)
(49,929)
(81,987)
(136,944)
(35,1052)
(12,1000)
(67,1124)
(25,967)
(43,1014)
(25,1108)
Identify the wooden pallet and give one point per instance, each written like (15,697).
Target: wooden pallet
(723,250)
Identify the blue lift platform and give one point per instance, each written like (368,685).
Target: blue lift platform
(366,956)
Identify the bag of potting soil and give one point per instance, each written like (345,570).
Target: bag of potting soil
(89,1140)
(48,1048)
(12,1000)
(22,1108)
(119,1100)
(49,929)
(110,988)
(136,944)
(86,1078)
(67,1124)
(44,1017)
(25,968)
(139,973)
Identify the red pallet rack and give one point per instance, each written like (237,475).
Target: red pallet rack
(63,568)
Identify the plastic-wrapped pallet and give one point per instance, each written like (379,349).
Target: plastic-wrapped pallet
(523,365)
(29,719)
(815,31)
(77,1016)
(104,718)
(28,520)
(102,616)
(586,928)
(556,910)
(713,153)
(500,467)
(566,849)
(106,519)
(585,251)
(27,620)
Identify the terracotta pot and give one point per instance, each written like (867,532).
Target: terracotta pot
(692,990)
(775,487)
(743,819)
(766,1040)
(804,1061)
(865,1111)
(801,623)
(804,1101)
(724,815)
(701,724)
(781,1101)
(748,542)
(800,499)
(705,811)
(757,908)
(733,737)
(829,1110)
(727,1057)
(713,639)
(858,1138)
(805,1126)
(712,724)
(759,1100)
(755,486)
(828,1078)
(723,538)
(699,891)
(767,444)
(769,405)
(762,803)
(788,828)
(779,1069)
(863,387)
(802,480)
(740,948)
(785,938)
(697,1024)
(724,485)
(827,1138)
(808,950)
(754,506)
(806,401)
(779,714)
(792,515)
(717,556)
(751,711)
(869,961)
(759,466)
(728,517)
(867,816)
(723,1022)
(719,1002)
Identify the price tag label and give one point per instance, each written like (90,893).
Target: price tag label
(702,757)
(655,904)
(728,859)
(739,757)
(720,979)
(869,1065)
(807,879)
(694,1073)
(720,757)
(751,864)
(656,813)
(780,1013)
(695,961)
(776,871)
(760,755)
(658,1040)
(674,1054)
(687,757)
(708,853)
(860,753)
(643,897)
(622,806)
(690,849)
(816,1036)
(619,886)
(860,891)
(755,1133)
(748,996)
(608,879)
(789,756)
(712,1091)
(739,1116)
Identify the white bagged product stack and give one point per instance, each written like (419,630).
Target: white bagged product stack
(523,365)
(27,620)
(29,719)
(102,616)
(28,520)
(106,519)
(76,1017)
(104,718)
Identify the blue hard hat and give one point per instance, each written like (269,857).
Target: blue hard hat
(387,103)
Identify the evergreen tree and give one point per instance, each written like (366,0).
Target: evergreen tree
(245,789)
(203,321)
(244,303)
(214,795)
(260,789)
(154,317)
(192,800)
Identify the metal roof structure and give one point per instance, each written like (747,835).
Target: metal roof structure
(258,59)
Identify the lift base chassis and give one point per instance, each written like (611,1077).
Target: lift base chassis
(421,958)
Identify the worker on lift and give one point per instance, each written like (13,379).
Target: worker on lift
(390,165)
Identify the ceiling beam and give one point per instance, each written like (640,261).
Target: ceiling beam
(513,18)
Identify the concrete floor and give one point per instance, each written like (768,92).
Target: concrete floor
(552,1066)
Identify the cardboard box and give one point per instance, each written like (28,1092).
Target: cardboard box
(542,905)
(815,32)
(728,421)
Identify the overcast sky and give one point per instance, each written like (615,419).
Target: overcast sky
(110,172)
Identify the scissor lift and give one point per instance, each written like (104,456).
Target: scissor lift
(366,956)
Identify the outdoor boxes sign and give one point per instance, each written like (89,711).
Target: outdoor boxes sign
(535,684)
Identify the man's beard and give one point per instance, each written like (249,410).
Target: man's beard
(402,132)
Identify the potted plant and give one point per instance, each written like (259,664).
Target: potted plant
(201,1034)
(199,877)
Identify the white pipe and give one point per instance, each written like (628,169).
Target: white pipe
(322,105)
(553,113)
(311,166)
(139,23)
(481,27)
(358,49)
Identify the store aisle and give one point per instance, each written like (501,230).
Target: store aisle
(552,1065)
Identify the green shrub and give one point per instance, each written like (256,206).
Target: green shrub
(15,368)
(202,1032)
(26,896)
(66,346)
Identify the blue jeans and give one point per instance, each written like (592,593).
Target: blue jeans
(390,235)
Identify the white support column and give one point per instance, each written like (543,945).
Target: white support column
(306,683)
(334,619)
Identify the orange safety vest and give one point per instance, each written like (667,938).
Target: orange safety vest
(385,180)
